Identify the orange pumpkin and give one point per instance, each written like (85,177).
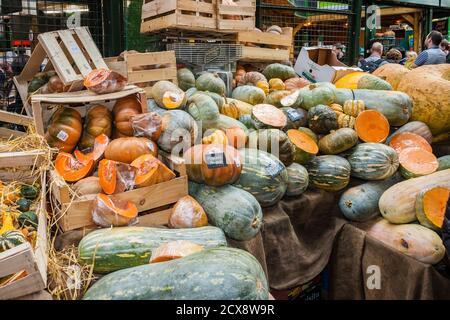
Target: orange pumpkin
(64,129)
(98,121)
(237,137)
(111,211)
(102,81)
(147,125)
(150,171)
(295,83)
(123,110)
(187,213)
(130,148)
(116,177)
(70,169)
(99,148)
(213,164)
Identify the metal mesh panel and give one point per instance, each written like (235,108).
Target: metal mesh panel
(335,5)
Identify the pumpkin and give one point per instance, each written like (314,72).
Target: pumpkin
(124,109)
(247,121)
(321,119)
(330,173)
(276,84)
(273,141)
(174,250)
(64,129)
(353,107)
(89,185)
(444,162)
(148,125)
(372,126)
(28,219)
(236,137)
(230,110)
(322,93)
(100,144)
(70,169)
(115,177)
(102,81)
(30,191)
(346,121)
(150,281)
(413,240)
(167,95)
(337,108)
(263,175)
(186,79)
(112,211)
(252,78)
(244,107)
(395,106)
(298,180)
(218,99)
(203,108)
(360,203)
(279,71)
(417,127)
(11,239)
(309,133)
(429,89)
(23,204)
(362,80)
(295,83)
(150,171)
(187,213)
(229,208)
(392,73)
(126,150)
(373,161)
(305,148)
(250,94)
(338,141)
(274,98)
(240,73)
(416,162)
(296,118)
(268,116)
(431,206)
(216,137)
(38,80)
(406,140)
(54,85)
(213,164)
(264,85)
(98,121)
(210,82)
(179,129)
(225,123)
(111,249)
(275,29)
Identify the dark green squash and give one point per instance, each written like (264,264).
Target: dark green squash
(210,82)
(444,163)
(298,180)
(279,71)
(296,118)
(311,96)
(29,192)
(322,119)
(338,141)
(24,204)
(203,108)
(330,173)
(186,79)
(247,120)
(28,219)
(268,139)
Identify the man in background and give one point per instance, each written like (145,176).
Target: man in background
(338,48)
(433,54)
(445,46)
(374,61)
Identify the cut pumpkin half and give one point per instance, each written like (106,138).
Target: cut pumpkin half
(115,177)
(150,171)
(304,146)
(431,205)
(187,213)
(70,169)
(111,211)
(102,81)
(268,116)
(173,100)
(416,162)
(372,126)
(405,140)
(100,144)
(174,250)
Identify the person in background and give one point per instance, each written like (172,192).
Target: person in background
(338,48)
(410,58)
(374,61)
(445,46)
(393,56)
(433,54)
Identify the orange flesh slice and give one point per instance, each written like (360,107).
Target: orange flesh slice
(172,100)
(174,250)
(121,207)
(70,169)
(418,161)
(95,77)
(107,173)
(270,115)
(100,144)
(435,204)
(303,141)
(405,140)
(372,126)
(151,171)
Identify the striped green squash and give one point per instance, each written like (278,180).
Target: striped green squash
(273,141)
(11,239)
(250,94)
(298,179)
(231,209)
(373,161)
(444,163)
(329,172)
(263,175)
(211,274)
(120,248)
(247,121)
(279,71)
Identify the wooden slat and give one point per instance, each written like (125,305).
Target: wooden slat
(33,282)
(159,23)
(8,133)
(154,219)
(24,158)
(91,48)
(150,58)
(17,259)
(16,118)
(264,38)
(196,21)
(238,10)
(264,54)
(152,75)
(40,251)
(158,7)
(187,5)
(236,24)
(75,51)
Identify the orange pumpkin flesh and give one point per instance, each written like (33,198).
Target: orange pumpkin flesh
(174,250)
(405,140)
(173,100)
(418,161)
(269,115)
(435,203)
(70,169)
(102,81)
(100,144)
(187,213)
(236,137)
(372,126)
(303,141)
(115,177)
(111,211)
(151,171)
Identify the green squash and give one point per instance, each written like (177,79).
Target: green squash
(29,192)
(263,175)
(373,161)
(203,108)
(360,203)
(186,79)
(298,180)
(274,98)
(296,118)
(28,219)
(247,121)
(279,71)
(191,91)
(211,274)
(369,81)
(224,122)
(244,107)
(310,96)
(309,133)
(229,208)
(444,163)
(24,204)
(272,139)
(11,239)
(330,173)
(120,248)
(38,81)
(250,94)
(322,119)
(210,82)
(338,141)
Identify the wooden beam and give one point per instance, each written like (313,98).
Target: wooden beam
(409,18)
(417,32)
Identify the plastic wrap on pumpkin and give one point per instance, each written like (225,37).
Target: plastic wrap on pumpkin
(111,211)
(116,177)
(174,250)
(147,125)
(102,81)
(187,213)
(150,171)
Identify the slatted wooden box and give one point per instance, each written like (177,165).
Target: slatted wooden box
(239,17)
(144,69)
(196,15)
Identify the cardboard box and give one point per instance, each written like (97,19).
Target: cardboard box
(319,64)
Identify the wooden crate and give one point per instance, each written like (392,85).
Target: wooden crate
(144,69)
(43,104)
(72,53)
(196,15)
(154,202)
(265,39)
(236,18)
